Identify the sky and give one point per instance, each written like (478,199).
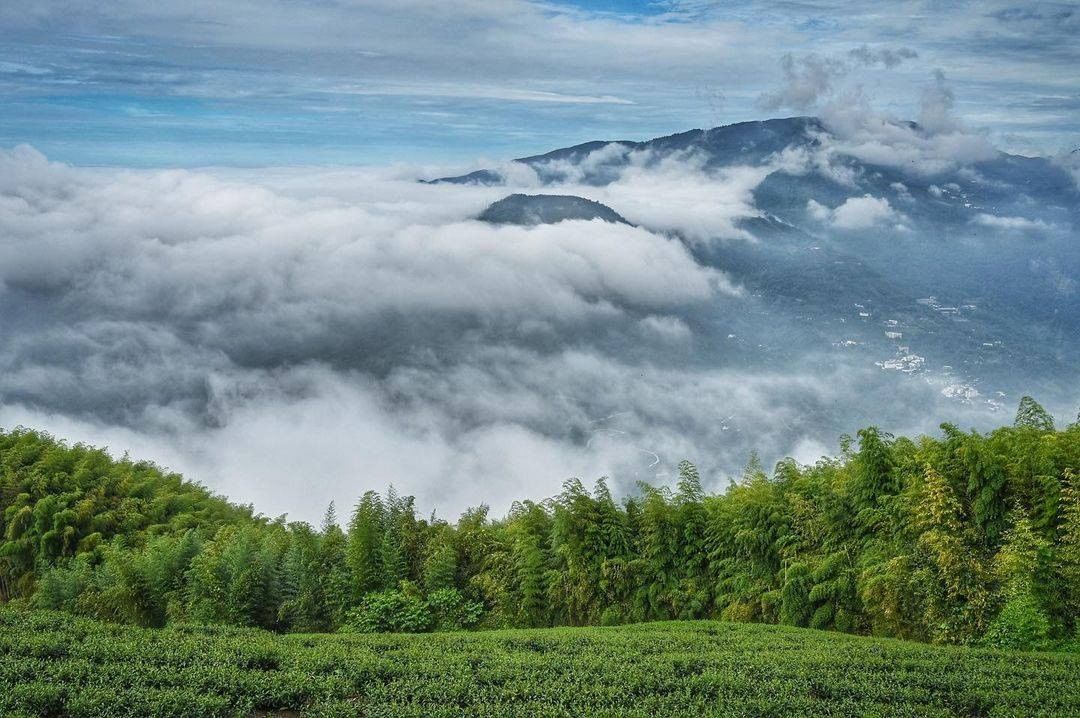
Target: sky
(333,82)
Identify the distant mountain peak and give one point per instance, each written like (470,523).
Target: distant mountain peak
(742,142)
(532,209)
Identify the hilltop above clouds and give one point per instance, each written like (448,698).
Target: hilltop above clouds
(529,210)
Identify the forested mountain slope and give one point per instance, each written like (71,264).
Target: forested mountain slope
(961,538)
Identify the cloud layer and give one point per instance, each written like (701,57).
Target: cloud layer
(293,336)
(298,336)
(224,323)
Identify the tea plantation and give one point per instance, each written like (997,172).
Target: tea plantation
(53,664)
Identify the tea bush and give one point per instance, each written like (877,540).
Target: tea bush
(53,664)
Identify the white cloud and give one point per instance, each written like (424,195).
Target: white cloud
(701,207)
(474,91)
(664,193)
(938,144)
(818,211)
(807,79)
(294,336)
(191,245)
(1012,224)
(863,213)
(887,56)
(666,328)
(494,428)
(857,213)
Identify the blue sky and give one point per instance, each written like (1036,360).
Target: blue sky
(270,82)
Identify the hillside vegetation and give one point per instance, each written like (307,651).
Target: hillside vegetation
(52,664)
(965,538)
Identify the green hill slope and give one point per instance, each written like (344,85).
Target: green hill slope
(965,538)
(52,664)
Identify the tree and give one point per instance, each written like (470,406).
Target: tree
(658,543)
(530,575)
(528,532)
(392,550)
(1067,549)
(235,580)
(335,576)
(1030,414)
(872,475)
(961,538)
(303,607)
(1022,622)
(988,487)
(954,587)
(694,594)
(365,551)
(440,566)
(578,552)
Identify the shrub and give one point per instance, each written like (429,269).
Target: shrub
(405,610)
(1021,624)
(611,617)
(389,612)
(659,669)
(451,611)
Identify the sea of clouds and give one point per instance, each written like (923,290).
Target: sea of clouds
(291,337)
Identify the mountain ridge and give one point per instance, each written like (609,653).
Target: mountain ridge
(965,253)
(680,140)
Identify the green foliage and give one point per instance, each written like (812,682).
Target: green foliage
(872,472)
(440,567)
(398,611)
(407,610)
(964,538)
(333,573)
(1067,553)
(451,611)
(365,553)
(1022,624)
(58,502)
(1030,414)
(235,580)
(953,582)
